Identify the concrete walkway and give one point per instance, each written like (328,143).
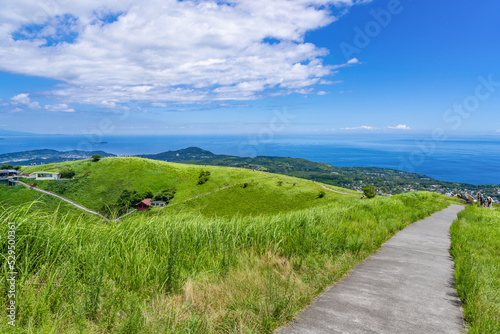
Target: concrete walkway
(330,189)
(406,287)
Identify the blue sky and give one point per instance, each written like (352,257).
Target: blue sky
(233,67)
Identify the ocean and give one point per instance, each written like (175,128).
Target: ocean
(473,160)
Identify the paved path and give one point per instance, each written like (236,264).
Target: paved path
(65,200)
(330,189)
(406,287)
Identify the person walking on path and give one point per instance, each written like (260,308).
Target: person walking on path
(490,202)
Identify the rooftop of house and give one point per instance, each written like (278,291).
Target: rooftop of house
(4,171)
(146,201)
(52,173)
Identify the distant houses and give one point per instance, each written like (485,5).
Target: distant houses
(147,203)
(9,177)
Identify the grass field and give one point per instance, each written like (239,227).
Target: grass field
(476,250)
(36,202)
(98,184)
(189,273)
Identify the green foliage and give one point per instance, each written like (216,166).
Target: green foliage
(189,273)
(204,176)
(96,158)
(147,194)
(165,195)
(321,194)
(475,245)
(67,173)
(128,200)
(6,166)
(279,183)
(370,191)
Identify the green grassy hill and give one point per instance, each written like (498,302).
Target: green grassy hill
(228,191)
(33,201)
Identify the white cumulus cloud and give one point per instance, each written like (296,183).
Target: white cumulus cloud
(61,107)
(363,127)
(157,51)
(400,127)
(24,100)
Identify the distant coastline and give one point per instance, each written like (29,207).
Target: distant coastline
(457,159)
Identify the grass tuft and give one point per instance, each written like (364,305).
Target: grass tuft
(476,250)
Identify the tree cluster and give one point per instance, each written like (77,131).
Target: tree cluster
(67,173)
(6,166)
(128,199)
(204,176)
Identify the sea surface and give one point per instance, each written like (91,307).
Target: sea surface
(470,159)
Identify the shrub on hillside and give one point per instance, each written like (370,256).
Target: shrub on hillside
(321,194)
(279,183)
(370,191)
(96,158)
(204,176)
(128,199)
(165,195)
(67,173)
(147,194)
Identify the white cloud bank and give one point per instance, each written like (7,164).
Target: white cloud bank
(363,127)
(167,50)
(400,127)
(23,101)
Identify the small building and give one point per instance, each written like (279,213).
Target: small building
(158,204)
(144,204)
(45,176)
(9,177)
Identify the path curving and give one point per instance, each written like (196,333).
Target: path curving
(330,189)
(65,200)
(406,287)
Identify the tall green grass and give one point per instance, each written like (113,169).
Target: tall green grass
(187,273)
(475,238)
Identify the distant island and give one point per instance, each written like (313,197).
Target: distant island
(386,181)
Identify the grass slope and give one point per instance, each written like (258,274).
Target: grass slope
(476,250)
(35,201)
(188,273)
(100,183)
(260,197)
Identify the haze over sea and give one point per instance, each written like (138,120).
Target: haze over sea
(468,159)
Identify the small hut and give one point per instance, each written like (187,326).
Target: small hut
(144,204)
